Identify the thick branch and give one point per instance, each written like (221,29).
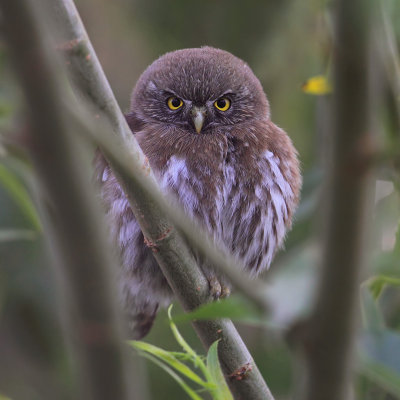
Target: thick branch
(172,253)
(71,222)
(330,334)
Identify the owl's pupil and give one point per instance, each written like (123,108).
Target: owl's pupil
(221,103)
(176,102)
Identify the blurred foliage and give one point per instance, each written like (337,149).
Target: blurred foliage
(21,197)
(286,43)
(379,346)
(212,382)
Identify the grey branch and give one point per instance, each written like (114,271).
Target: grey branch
(90,82)
(173,255)
(328,337)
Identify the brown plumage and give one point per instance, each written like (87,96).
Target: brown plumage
(202,119)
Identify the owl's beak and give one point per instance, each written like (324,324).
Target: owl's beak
(198,115)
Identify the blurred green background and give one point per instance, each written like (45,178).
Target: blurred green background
(285,43)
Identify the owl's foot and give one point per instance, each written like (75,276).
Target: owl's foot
(225,291)
(215,287)
(218,289)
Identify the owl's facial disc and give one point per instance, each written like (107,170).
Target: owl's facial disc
(198,91)
(198,116)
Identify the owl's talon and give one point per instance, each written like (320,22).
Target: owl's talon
(218,290)
(215,287)
(225,292)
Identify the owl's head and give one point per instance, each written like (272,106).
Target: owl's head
(198,90)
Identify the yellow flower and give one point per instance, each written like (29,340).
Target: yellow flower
(317,85)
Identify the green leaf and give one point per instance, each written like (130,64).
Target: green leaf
(193,395)
(168,358)
(20,195)
(221,391)
(196,359)
(372,318)
(380,359)
(180,355)
(388,264)
(377,283)
(234,307)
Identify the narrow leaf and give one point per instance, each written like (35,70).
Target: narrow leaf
(388,264)
(236,308)
(233,307)
(372,318)
(221,391)
(382,376)
(380,359)
(168,358)
(377,283)
(180,355)
(20,195)
(179,338)
(193,395)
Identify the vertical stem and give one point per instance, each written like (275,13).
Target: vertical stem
(72,225)
(329,335)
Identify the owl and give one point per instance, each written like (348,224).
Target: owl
(202,119)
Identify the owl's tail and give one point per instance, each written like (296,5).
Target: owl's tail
(139,322)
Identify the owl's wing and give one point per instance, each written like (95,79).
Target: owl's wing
(142,286)
(257,211)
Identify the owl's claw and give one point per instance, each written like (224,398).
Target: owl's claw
(225,291)
(215,287)
(218,290)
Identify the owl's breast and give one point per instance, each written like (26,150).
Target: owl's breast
(257,204)
(244,200)
(196,187)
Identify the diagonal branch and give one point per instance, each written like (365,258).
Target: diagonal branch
(173,255)
(90,82)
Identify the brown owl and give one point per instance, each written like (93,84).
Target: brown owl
(203,120)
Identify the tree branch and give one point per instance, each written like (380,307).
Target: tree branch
(173,255)
(328,337)
(141,184)
(90,82)
(191,289)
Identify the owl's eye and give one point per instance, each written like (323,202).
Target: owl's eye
(222,104)
(174,103)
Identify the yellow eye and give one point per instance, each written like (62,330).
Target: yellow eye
(222,104)
(174,103)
